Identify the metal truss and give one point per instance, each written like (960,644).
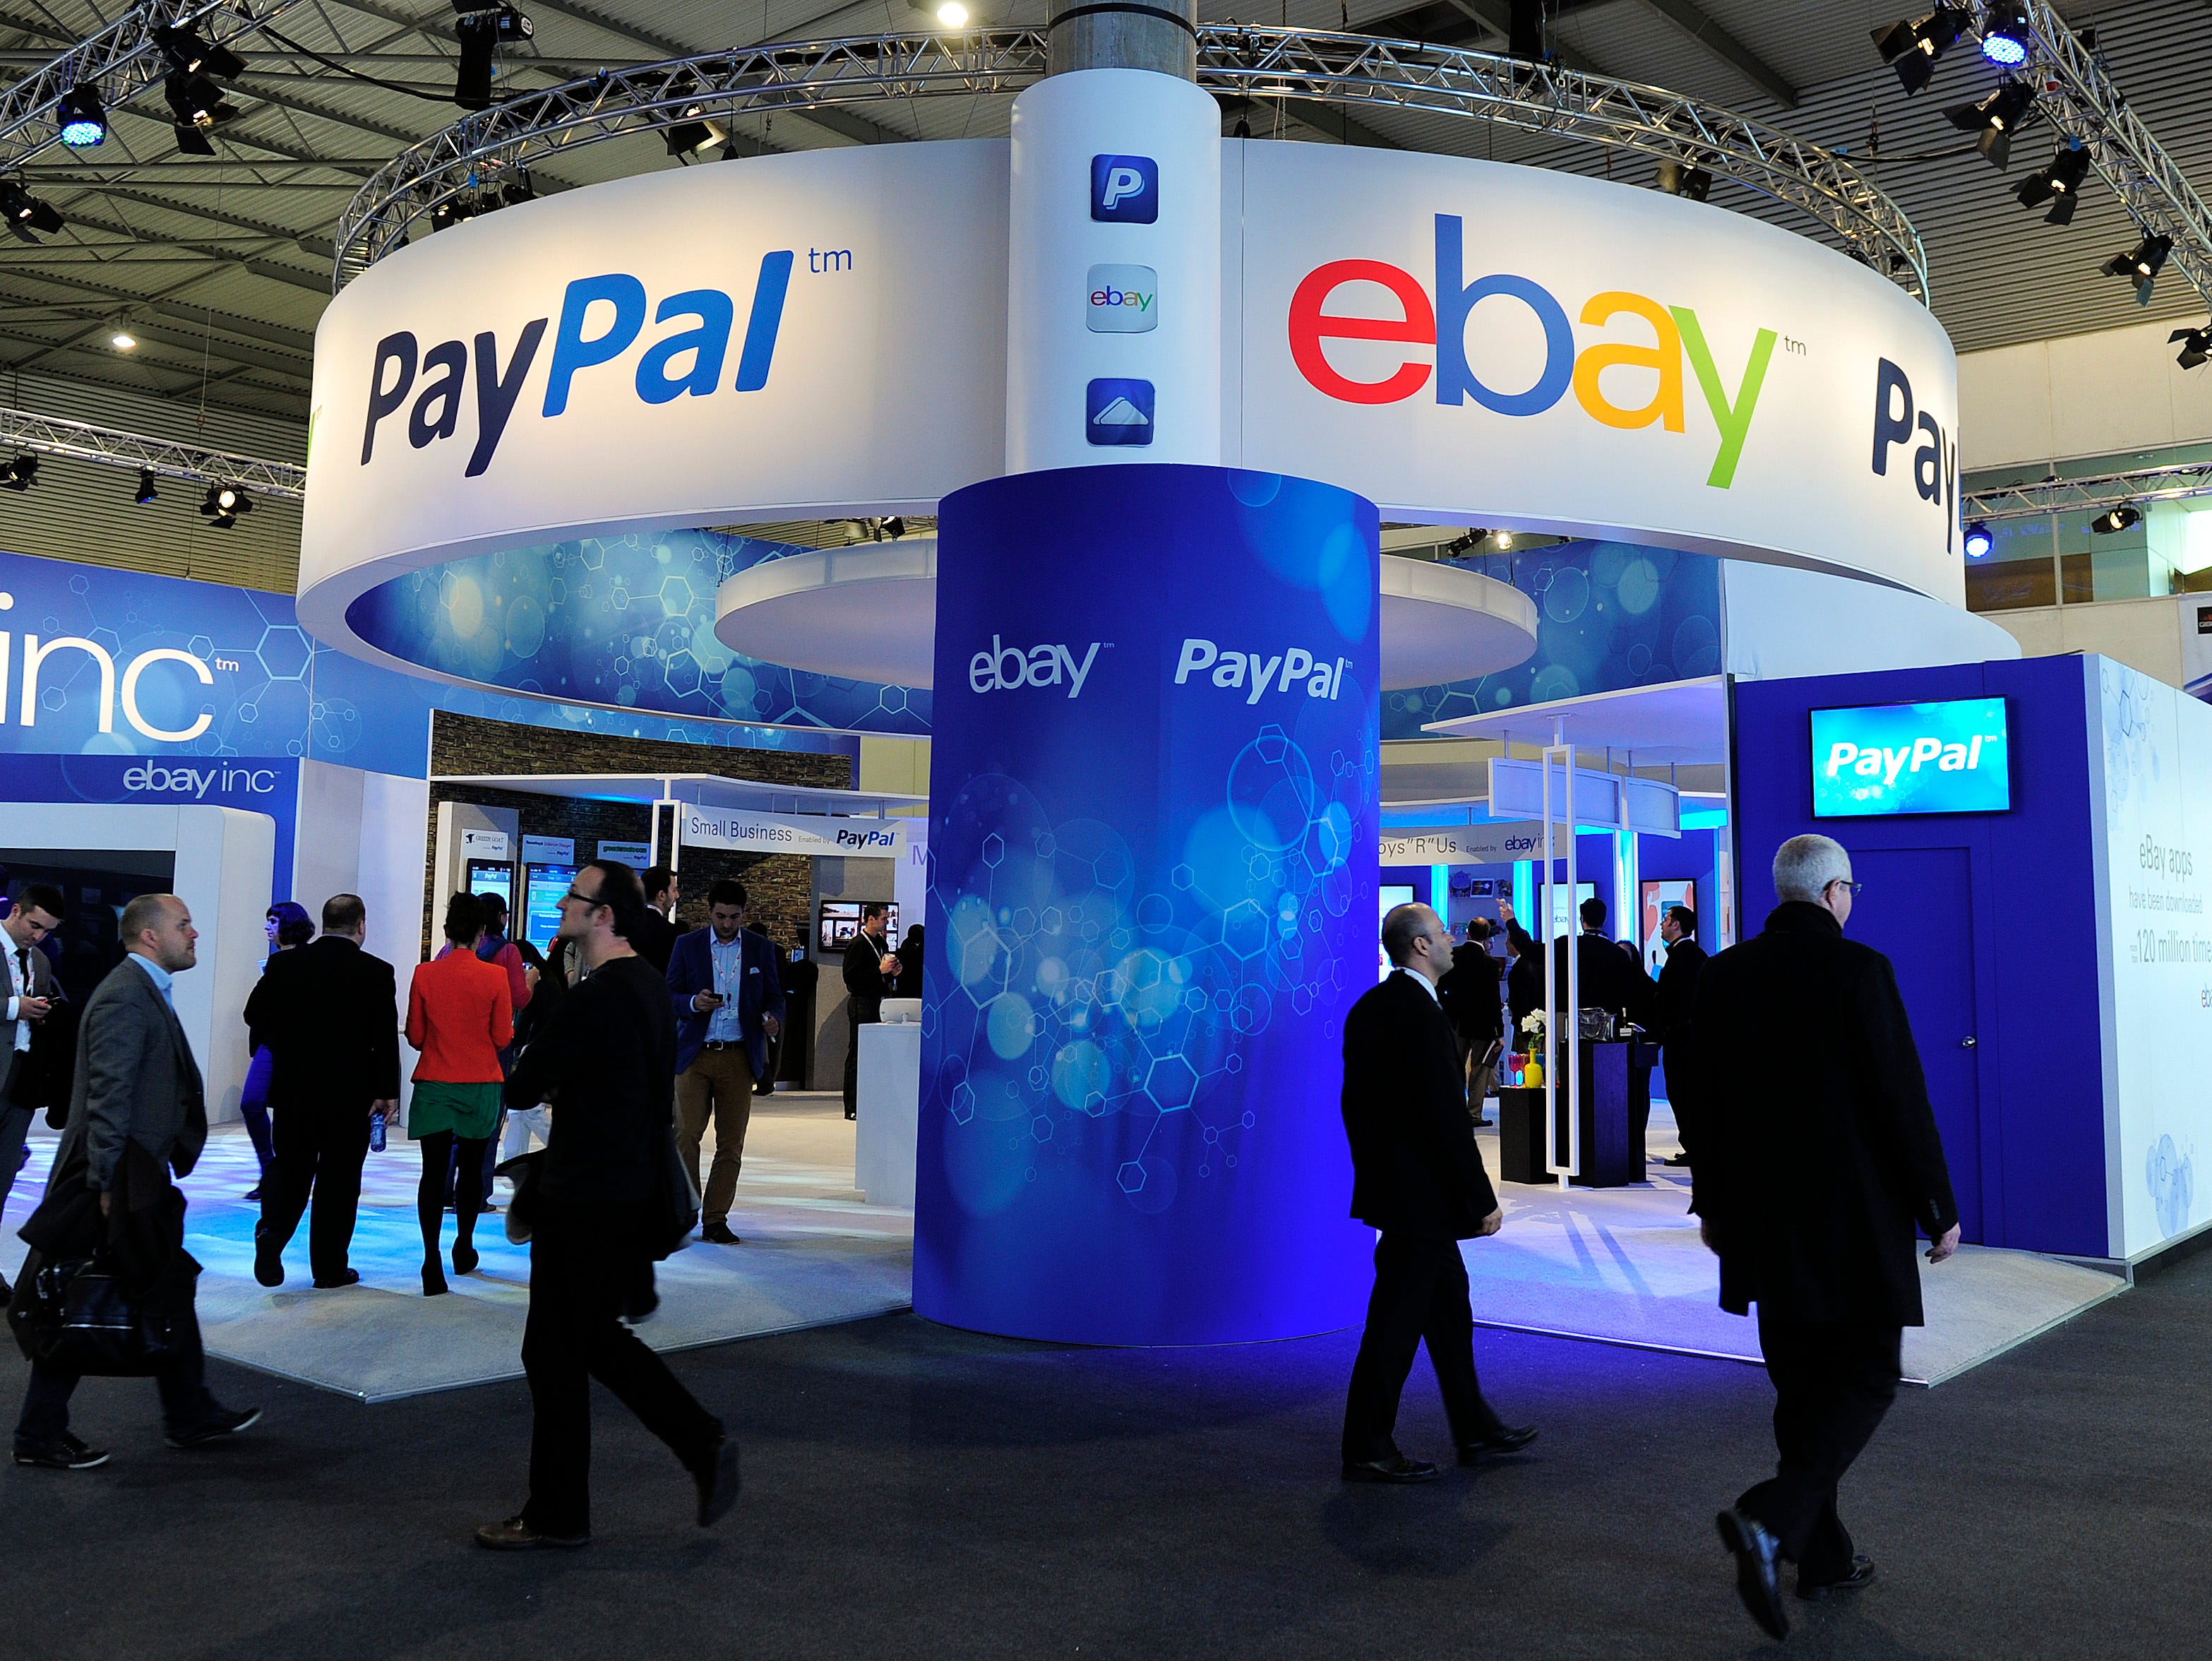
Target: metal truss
(78,440)
(122,61)
(2080,99)
(2092,494)
(1350,70)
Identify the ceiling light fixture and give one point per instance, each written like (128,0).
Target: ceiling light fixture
(187,54)
(1911,48)
(2141,265)
(517,189)
(21,473)
(952,14)
(1503,539)
(25,213)
(224,503)
(693,136)
(2195,345)
(2058,182)
(1997,118)
(82,117)
(122,340)
(2113,520)
(1684,179)
(1979,541)
(480,31)
(146,491)
(2007,36)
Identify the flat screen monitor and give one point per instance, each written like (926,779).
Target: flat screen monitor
(1660,895)
(493,877)
(841,919)
(1567,919)
(1881,760)
(541,888)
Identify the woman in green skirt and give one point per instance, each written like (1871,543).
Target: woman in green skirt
(460,1015)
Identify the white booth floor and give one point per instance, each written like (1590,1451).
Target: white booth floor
(1620,1266)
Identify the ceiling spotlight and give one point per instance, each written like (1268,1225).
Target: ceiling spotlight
(2007,36)
(146,491)
(1684,179)
(191,141)
(1979,541)
(122,340)
(2195,345)
(693,137)
(2058,182)
(197,102)
(2141,265)
(1997,118)
(452,210)
(2115,519)
(952,14)
(517,189)
(224,503)
(1911,48)
(187,54)
(24,213)
(1503,539)
(80,117)
(20,474)
(481,33)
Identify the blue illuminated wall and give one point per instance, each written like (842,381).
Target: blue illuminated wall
(1150,905)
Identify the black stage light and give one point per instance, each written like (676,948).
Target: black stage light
(895,528)
(224,503)
(25,213)
(1979,542)
(146,491)
(2007,36)
(481,33)
(2195,345)
(2058,182)
(451,211)
(191,141)
(2141,265)
(1684,179)
(20,474)
(82,117)
(1997,118)
(187,54)
(1911,48)
(197,102)
(693,135)
(2113,520)
(517,189)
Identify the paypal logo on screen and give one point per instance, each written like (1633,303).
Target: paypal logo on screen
(1125,190)
(1950,757)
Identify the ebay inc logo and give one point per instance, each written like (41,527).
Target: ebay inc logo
(1434,321)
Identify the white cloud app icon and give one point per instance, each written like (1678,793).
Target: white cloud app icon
(1122,298)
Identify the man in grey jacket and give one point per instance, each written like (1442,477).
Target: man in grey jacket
(138,1113)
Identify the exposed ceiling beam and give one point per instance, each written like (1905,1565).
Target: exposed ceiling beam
(1701,27)
(1496,16)
(201,319)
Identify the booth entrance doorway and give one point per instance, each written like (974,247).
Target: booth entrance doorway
(1918,910)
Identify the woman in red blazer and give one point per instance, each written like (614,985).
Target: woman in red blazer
(460,1015)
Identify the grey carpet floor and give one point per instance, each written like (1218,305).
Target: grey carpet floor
(916,1491)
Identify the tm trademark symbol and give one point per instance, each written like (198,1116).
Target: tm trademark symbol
(1794,346)
(829,259)
(230,663)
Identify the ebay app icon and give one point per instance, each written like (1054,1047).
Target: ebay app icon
(1122,298)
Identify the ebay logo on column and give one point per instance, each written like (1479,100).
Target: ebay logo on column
(1437,318)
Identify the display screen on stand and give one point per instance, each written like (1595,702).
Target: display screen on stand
(1565,917)
(1883,759)
(542,889)
(493,877)
(840,922)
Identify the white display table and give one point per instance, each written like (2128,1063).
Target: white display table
(889,1108)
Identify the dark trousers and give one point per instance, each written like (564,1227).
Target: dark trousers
(853,1025)
(1833,1381)
(1682,1095)
(580,1279)
(185,1399)
(319,1151)
(1420,1297)
(14,1129)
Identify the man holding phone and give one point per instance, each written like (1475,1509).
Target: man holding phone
(27,995)
(729,1003)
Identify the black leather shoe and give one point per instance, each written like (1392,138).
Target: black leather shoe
(65,1452)
(268,1257)
(223,1422)
(1484,1124)
(1756,1552)
(1681,1161)
(515,1534)
(718,1233)
(717,1483)
(344,1277)
(1395,1468)
(1861,1573)
(465,1259)
(1507,1438)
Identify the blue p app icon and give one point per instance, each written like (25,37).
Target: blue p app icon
(1125,189)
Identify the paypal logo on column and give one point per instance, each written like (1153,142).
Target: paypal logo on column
(601,319)
(1125,190)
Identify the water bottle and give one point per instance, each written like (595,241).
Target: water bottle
(376,1131)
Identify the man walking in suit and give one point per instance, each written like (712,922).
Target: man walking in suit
(1469,992)
(1676,1002)
(869,963)
(729,1003)
(1818,1155)
(1607,977)
(330,1015)
(1417,1176)
(656,930)
(138,1113)
(27,993)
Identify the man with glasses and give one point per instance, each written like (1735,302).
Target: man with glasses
(27,996)
(1817,1155)
(599,1222)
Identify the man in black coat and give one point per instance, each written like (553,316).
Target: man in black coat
(657,930)
(1607,977)
(330,1013)
(869,965)
(1469,993)
(1677,1000)
(1818,1156)
(1524,975)
(1417,1176)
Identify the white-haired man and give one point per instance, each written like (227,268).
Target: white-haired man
(1818,1155)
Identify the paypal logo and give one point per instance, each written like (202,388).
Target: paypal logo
(601,319)
(1040,665)
(1125,190)
(1324,679)
(1887,762)
(866,838)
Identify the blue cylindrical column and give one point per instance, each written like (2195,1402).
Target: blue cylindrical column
(1152,838)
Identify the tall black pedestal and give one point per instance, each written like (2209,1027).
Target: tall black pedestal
(1616,1102)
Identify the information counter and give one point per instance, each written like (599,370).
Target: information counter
(1616,1105)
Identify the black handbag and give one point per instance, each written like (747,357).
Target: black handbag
(75,1315)
(523,1171)
(679,1203)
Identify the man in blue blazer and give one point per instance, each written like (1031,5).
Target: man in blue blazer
(729,1003)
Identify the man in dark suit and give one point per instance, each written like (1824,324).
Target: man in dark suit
(656,930)
(1818,1156)
(869,963)
(1676,1002)
(1417,1176)
(138,1113)
(28,992)
(1608,978)
(1524,975)
(330,1013)
(728,1003)
(1469,993)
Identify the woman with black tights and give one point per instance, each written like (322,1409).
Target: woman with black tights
(460,1015)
